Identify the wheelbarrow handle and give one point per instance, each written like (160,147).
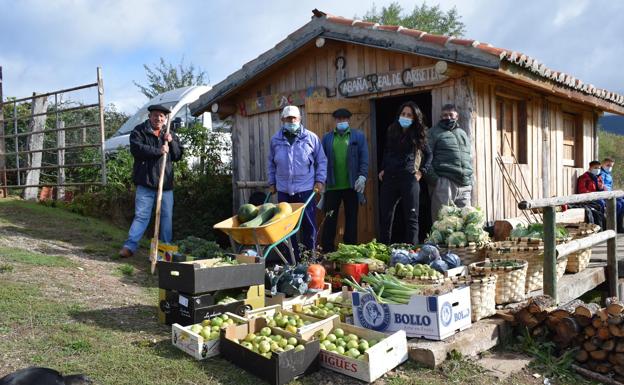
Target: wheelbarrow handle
(312,195)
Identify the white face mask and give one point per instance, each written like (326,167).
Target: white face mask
(608,169)
(595,171)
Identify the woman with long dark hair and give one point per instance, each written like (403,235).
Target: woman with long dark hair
(406,159)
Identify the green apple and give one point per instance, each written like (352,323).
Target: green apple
(293,341)
(224,317)
(330,346)
(250,337)
(363,346)
(288,347)
(214,335)
(340,350)
(196,328)
(331,337)
(266,355)
(264,347)
(341,342)
(282,343)
(206,322)
(321,335)
(352,345)
(265,331)
(353,353)
(247,345)
(299,348)
(339,332)
(205,333)
(351,337)
(372,342)
(216,322)
(291,329)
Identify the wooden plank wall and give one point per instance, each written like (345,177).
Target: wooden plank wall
(315,67)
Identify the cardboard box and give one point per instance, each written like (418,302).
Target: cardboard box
(194,344)
(185,309)
(431,317)
(281,368)
(304,299)
(389,352)
(305,332)
(460,271)
(201,276)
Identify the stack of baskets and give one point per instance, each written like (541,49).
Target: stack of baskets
(530,250)
(510,278)
(482,294)
(579,260)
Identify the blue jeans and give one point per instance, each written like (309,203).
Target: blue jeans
(307,233)
(143,204)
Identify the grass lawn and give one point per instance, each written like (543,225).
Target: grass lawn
(68,304)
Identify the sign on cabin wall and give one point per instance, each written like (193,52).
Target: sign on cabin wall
(278,101)
(373,83)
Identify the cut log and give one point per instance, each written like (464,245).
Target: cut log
(583,321)
(611,359)
(587,309)
(603,333)
(608,345)
(589,331)
(567,329)
(523,317)
(540,304)
(616,331)
(594,376)
(603,315)
(619,347)
(589,346)
(597,323)
(619,358)
(599,355)
(538,331)
(615,319)
(582,356)
(567,309)
(614,306)
(604,368)
(619,369)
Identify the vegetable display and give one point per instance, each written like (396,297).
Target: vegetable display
(199,248)
(458,227)
(209,329)
(414,271)
(349,345)
(387,289)
(536,231)
(374,254)
(266,344)
(287,322)
(290,280)
(253,216)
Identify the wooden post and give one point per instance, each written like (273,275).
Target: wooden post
(545,150)
(60,144)
(101,112)
(612,263)
(3,179)
(35,142)
(550,254)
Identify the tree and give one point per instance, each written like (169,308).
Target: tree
(166,77)
(426,18)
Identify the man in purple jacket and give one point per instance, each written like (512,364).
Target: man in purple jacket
(297,167)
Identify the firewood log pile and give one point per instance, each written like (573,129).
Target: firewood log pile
(597,333)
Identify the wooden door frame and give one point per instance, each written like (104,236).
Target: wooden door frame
(373,160)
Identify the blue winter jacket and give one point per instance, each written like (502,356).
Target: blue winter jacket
(357,156)
(607,179)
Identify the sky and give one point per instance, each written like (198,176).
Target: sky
(49,45)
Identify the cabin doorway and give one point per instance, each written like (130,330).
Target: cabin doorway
(385,112)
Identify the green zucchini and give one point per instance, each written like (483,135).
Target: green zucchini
(265,213)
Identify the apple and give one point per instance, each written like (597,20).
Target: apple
(288,347)
(339,332)
(265,331)
(354,353)
(352,344)
(293,341)
(363,346)
(264,347)
(299,348)
(250,337)
(331,337)
(351,337)
(196,328)
(340,350)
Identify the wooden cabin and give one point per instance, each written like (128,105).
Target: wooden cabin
(533,129)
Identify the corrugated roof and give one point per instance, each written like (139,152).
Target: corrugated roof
(527,62)
(393,37)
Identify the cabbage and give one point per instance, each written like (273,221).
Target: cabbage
(474,215)
(452,260)
(475,233)
(439,265)
(457,238)
(436,236)
(448,225)
(449,211)
(429,253)
(399,256)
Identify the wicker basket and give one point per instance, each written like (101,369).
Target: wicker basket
(578,261)
(533,253)
(482,294)
(467,254)
(510,280)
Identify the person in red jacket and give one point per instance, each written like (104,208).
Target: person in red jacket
(590,181)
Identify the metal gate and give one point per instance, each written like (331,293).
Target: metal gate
(32,157)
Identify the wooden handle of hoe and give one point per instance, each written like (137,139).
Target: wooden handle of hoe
(161,181)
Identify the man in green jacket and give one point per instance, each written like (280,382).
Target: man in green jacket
(450,175)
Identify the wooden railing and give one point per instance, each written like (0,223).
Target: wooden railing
(552,251)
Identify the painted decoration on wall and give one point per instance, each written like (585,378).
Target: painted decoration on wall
(278,101)
(374,83)
(341,69)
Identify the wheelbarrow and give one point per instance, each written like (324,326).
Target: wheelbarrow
(266,237)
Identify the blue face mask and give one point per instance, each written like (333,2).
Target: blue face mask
(342,126)
(291,127)
(405,122)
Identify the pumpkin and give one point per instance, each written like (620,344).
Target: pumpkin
(317,276)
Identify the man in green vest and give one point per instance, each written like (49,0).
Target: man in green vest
(450,175)
(347,168)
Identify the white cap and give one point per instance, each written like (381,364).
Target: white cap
(291,111)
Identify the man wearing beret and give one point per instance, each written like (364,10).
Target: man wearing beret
(297,166)
(148,143)
(347,169)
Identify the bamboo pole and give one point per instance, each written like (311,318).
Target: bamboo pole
(161,181)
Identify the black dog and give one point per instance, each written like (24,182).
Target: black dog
(43,376)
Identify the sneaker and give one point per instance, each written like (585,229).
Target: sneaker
(125,252)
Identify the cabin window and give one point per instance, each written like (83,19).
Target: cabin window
(511,129)
(572,141)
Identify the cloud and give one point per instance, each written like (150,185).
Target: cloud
(570,11)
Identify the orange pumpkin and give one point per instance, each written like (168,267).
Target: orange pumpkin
(317,276)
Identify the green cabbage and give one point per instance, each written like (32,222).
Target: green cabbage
(473,215)
(449,211)
(457,238)
(436,237)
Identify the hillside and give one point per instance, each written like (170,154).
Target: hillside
(611,146)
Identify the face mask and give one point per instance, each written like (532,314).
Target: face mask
(405,122)
(448,123)
(291,127)
(595,171)
(342,126)
(608,169)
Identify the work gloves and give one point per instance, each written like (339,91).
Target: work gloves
(360,183)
